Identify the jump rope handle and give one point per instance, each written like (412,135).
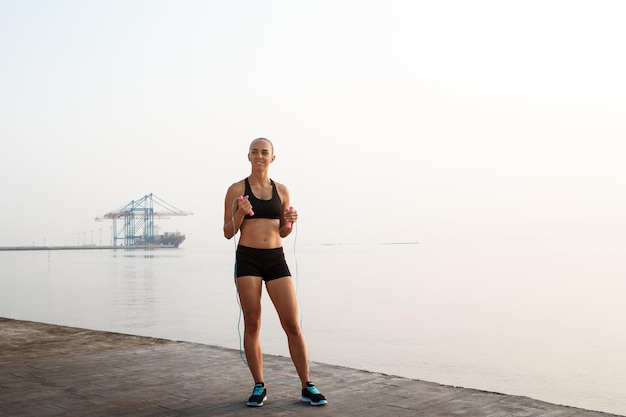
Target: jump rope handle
(251,213)
(288,224)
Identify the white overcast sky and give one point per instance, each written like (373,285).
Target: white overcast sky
(392,120)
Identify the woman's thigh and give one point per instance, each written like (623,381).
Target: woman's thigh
(283,294)
(249,289)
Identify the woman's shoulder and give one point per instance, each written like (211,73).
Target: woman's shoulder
(238,186)
(282,188)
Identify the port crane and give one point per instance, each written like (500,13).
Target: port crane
(138,217)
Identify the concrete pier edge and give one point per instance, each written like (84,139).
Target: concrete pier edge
(51,370)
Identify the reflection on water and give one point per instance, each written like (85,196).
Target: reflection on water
(544,321)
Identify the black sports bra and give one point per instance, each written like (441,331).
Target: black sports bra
(264,209)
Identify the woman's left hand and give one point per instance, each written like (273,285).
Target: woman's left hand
(291,215)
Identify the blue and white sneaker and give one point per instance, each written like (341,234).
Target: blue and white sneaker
(312,395)
(259,394)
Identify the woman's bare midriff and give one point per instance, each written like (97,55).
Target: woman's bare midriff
(260,233)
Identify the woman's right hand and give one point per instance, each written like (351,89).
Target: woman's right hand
(244,205)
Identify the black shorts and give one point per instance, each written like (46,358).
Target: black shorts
(268,264)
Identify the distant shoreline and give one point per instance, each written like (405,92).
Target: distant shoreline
(372,243)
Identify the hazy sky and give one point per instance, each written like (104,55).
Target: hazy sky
(392,120)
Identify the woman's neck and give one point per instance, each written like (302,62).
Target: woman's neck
(257,178)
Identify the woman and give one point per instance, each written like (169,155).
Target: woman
(259,208)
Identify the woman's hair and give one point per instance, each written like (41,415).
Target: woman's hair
(265,139)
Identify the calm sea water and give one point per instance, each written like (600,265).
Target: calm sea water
(545,320)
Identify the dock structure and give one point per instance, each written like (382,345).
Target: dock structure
(48,370)
(138,221)
(85,247)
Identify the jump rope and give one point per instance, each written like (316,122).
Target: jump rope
(288,225)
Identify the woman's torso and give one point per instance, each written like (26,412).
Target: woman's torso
(262,230)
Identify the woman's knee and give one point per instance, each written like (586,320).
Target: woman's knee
(291,327)
(252,323)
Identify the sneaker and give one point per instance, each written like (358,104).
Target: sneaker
(312,395)
(259,394)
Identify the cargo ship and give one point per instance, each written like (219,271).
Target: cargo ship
(168,239)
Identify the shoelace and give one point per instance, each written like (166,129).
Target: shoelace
(258,390)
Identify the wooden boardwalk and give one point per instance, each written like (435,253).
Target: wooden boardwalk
(48,370)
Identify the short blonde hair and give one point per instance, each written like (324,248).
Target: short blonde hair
(265,139)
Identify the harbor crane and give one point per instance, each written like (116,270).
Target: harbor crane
(138,217)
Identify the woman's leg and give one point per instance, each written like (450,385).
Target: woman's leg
(283,294)
(249,289)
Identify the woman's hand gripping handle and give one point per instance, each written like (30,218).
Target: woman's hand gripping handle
(291,218)
(245,205)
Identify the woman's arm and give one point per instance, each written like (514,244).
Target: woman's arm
(288,217)
(234,209)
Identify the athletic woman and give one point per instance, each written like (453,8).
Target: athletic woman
(259,208)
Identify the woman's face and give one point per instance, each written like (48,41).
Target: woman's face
(261,153)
